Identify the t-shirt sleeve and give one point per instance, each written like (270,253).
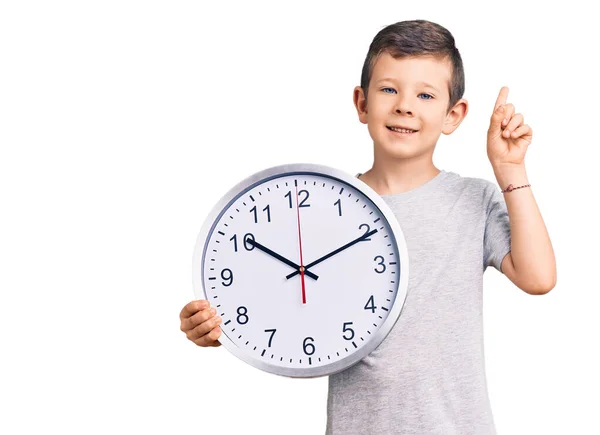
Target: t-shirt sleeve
(496,239)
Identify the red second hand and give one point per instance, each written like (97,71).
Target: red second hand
(300,240)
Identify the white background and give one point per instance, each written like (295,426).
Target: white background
(122,123)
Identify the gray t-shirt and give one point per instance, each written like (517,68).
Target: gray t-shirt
(428,376)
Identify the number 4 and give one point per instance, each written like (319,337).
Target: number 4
(372,306)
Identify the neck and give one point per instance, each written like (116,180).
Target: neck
(389,176)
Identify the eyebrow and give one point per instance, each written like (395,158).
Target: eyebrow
(418,83)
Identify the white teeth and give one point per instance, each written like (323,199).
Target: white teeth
(401,130)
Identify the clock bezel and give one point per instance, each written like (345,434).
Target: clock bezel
(305,169)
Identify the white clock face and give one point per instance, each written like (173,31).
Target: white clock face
(304,268)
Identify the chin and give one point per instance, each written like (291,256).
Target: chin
(400,150)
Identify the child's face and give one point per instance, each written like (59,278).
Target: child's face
(411,93)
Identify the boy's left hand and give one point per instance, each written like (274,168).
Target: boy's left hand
(507,138)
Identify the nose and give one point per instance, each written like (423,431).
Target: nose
(403,106)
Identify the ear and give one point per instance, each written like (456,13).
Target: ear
(361,104)
(455,116)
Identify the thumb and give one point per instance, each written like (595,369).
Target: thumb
(496,121)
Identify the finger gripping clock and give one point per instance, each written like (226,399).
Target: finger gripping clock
(306,265)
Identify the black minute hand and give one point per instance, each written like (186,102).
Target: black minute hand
(332,253)
(280,258)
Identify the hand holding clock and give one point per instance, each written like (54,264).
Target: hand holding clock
(200,323)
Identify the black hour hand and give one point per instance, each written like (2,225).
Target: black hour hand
(280,258)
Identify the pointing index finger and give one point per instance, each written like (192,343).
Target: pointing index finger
(501,100)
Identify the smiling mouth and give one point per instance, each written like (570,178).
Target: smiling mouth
(401,130)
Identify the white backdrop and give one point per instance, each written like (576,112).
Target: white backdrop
(123,122)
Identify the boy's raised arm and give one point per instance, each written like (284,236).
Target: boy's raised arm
(531,264)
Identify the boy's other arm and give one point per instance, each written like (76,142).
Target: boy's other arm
(530,264)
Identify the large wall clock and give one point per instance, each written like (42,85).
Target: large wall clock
(306,265)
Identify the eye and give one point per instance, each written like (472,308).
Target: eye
(393,91)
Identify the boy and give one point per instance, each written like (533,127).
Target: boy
(428,376)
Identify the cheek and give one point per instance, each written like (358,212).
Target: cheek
(380,115)
(373,130)
(436,119)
